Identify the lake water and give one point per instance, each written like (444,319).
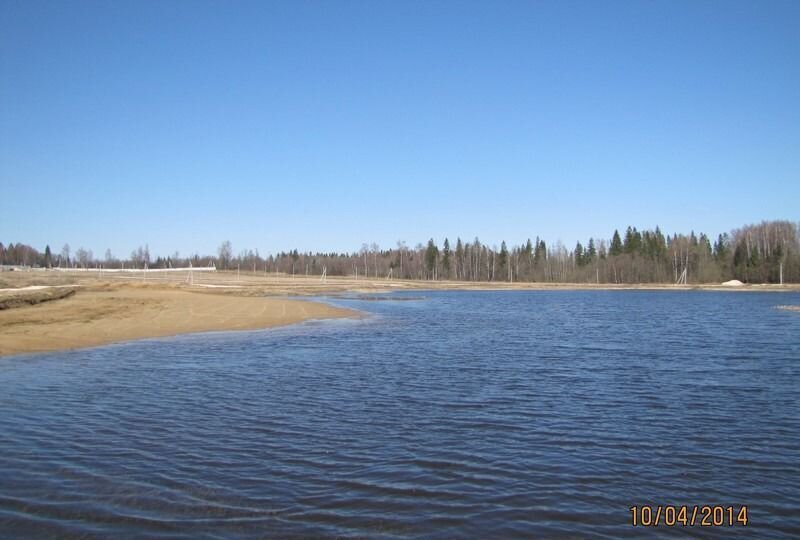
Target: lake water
(460,414)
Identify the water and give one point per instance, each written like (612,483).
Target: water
(463,414)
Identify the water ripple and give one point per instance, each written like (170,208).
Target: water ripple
(504,414)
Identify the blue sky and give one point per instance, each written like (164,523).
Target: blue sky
(323,125)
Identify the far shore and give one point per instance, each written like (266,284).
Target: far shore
(48,311)
(270,284)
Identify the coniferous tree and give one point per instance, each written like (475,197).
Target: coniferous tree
(579,256)
(431,255)
(527,251)
(459,259)
(446,258)
(615,248)
(527,254)
(541,253)
(633,241)
(721,247)
(591,251)
(502,260)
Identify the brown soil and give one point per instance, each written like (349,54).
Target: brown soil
(99,316)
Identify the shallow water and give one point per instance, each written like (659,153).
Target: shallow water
(463,414)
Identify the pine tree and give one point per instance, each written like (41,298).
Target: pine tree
(48,257)
(536,252)
(616,245)
(459,259)
(591,251)
(579,257)
(431,255)
(661,244)
(705,244)
(721,248)
(633,241)
(446,258)
(502,260)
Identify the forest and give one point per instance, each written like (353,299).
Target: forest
(767,252)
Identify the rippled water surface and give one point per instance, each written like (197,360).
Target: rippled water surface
(463,414)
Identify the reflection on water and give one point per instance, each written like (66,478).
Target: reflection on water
(485,414)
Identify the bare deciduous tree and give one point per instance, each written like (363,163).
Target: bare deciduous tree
(225,253)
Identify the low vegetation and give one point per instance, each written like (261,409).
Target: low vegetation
(32,297)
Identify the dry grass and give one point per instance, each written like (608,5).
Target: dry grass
(29,297)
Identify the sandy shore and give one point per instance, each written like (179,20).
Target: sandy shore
(92,317)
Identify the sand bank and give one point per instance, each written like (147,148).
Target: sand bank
(98,317)
(36,294)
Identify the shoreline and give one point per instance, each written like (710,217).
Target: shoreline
(91,318)
(40,317)
(254,283)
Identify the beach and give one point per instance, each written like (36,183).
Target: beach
(109,314)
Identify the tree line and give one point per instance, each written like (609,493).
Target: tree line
(768,252)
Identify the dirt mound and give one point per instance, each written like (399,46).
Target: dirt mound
(733,283)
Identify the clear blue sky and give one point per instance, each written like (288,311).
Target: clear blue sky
(323,125)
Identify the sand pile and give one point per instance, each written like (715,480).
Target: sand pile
(733,283)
